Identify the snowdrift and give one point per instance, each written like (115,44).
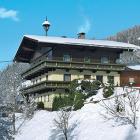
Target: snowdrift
(85,124)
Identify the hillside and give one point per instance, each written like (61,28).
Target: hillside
(85,124)
(130,35)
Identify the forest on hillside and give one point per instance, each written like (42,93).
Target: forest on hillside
(130,35)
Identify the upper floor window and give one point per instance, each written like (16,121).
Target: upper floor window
(66,58)
(67,77)
(87,59)
(104,60)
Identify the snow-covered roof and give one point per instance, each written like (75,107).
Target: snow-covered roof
(83,42)
(134,67)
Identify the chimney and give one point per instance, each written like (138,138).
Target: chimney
(81,35)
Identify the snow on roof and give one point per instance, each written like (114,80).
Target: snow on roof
(84,42)
(134,67)
(46,23)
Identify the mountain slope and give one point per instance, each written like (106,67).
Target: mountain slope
(130,35)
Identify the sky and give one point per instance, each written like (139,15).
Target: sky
(98,18)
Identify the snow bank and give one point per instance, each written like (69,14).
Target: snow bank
(38,128)
(86,124)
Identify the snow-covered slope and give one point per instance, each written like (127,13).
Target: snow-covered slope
(86,124)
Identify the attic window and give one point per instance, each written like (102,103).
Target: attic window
(66,58)
(87,59)
(104,60)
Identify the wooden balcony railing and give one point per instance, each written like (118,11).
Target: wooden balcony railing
(74,63)
(45,85)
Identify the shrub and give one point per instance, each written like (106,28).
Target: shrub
(79,101)
(109,89)
(75,100)
(40,105)
(60,102)
(90,87)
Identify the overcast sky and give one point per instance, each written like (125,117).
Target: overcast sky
(98,18)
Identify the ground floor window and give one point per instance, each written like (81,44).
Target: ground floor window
(67,77)
(48,98)
(87,76)
(131,80)
(99,78)
(110,79)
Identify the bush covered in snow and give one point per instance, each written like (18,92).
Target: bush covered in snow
(40,105)
(78,92)
(108,89)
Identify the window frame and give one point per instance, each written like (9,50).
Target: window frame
(104,60)
(66,57)
(64,77)
(86,75)
(87,59)
(99,78)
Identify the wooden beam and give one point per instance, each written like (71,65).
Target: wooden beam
(21,58)
(28,49)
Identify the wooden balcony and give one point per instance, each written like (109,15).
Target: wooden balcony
(37,88)
(72,64)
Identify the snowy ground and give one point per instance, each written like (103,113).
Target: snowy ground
(86,124)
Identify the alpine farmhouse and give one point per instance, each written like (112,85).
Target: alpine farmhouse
(56,61)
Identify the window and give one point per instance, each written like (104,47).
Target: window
(99,78)
(67,77)
(87,59)
(48,98)
(46,77)
(131,80)
(104,60)
(66,58)
(87,76)
(110,79)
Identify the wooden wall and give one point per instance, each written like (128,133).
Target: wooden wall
(126,75)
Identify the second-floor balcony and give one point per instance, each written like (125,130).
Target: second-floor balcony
(42,86)
(74,63)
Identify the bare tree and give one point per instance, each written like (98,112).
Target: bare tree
(128,36)
(29,107)
(62,122)
(123,107)
(10,82)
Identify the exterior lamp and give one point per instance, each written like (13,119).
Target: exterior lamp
(46,24)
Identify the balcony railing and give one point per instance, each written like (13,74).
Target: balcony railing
(46,85)
(74,63)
